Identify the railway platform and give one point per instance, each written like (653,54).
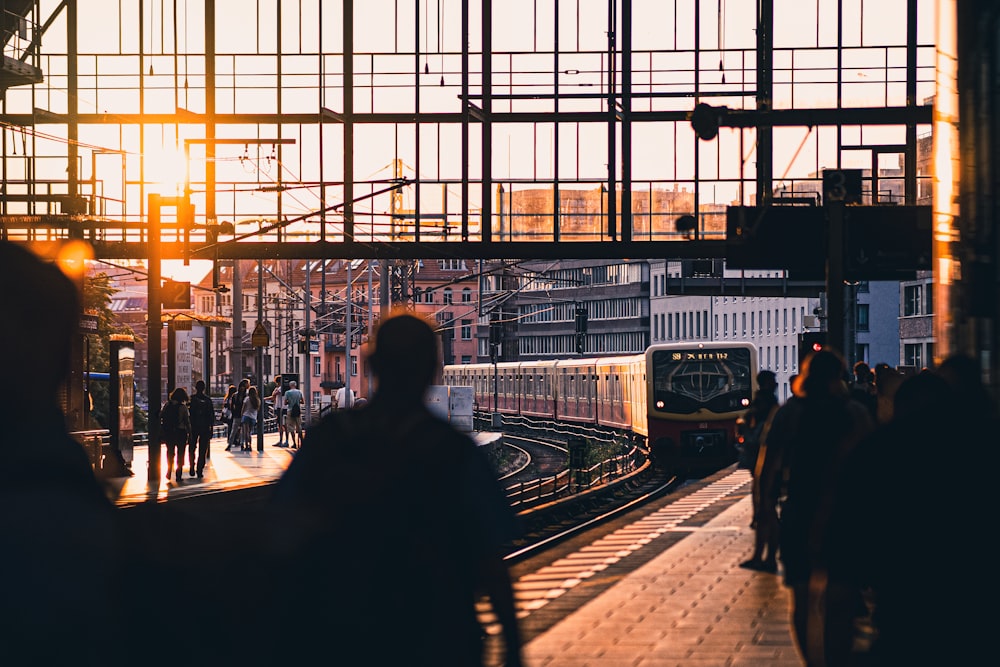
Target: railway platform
(690,604)
(225,471)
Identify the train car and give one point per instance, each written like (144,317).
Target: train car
(576,390)
(536,391)
(681,399)
(696,392)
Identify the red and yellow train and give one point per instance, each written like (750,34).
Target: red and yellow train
(681,399)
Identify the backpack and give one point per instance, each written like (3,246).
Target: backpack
(170,418)
(202,411)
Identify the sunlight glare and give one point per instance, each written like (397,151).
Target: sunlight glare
(72,257)
(166,170)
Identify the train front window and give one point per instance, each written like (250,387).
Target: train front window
(717,380)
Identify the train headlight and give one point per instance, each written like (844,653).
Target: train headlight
(745,402)
(660,405)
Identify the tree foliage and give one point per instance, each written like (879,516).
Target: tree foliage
(97,293)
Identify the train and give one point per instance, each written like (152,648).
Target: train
(679,400)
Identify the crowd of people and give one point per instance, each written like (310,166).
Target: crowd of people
(834,470)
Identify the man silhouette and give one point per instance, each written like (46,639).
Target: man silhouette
(397,519)
(202,420)
(59,541)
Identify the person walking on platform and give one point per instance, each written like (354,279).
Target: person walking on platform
(813,434)
(278,401)
(175,430)
(251,409)
(202,422)
(400,518)
(757,421)
(293,414)
(236,407)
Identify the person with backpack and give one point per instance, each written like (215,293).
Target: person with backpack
(202,421)
(175,429)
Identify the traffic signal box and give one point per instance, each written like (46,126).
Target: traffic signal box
(581,330)
(809,342)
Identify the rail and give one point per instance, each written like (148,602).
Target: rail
(573,480)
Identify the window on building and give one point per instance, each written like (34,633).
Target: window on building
(913,300)
(448,297)
(862,317)
(317,366)
(466,359)
(466,329)
(862,353)
(466,295)
(913,355)
(354,365)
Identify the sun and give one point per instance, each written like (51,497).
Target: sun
(165,170)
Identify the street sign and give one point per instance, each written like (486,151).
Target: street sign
(308,346)
(259,337)
(842,185)
(790,238)
(886,242)
(175,295)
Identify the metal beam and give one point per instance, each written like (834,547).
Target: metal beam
(425,250)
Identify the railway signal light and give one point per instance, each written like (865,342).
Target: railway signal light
(809,342)
(496,337)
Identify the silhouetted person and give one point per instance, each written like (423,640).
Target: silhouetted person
(61,596)
(756,423)
(887,380)
(878,539)
(251,411)
(814,432)
(236,402)
(202,421)
(293,414)
(863,387)
(972,399)
(175,429)
(398,523)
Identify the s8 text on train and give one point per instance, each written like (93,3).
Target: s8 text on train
(681,400)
